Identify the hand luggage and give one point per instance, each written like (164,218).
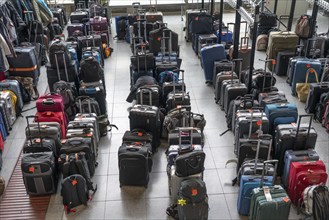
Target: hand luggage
(285,113)
(304,174)
(13,85)
(153,15)
(50,102)
(135,163)
(75,27)
(225,83)
(90,70)
(78,16)
(178,98)
(201,24)
(155,38)
(293,137)
(233,90)
(147,118)
(280,41)
(294,156)
(88,118)
(168,87)
(271,98)
(209,55)
(49,116)
(3,131)
(59,55)
(220,78)
(148,95)
(269,203)
(205,40)
(315,200)
(99,25)
(220,66)
(39,173)
(6,99)
(88,133)
(282,60)
(248,183)
(192,200)
(91,41)
(197,136)
(137,135)
(97,91)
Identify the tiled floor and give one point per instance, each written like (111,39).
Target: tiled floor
(113,202)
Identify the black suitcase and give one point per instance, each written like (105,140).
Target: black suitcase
(271,98)
(148,95)
(78,16)
(221,66)
(293,137)
(201,24)
(219,81)
(190,15)
(88,133)
(135,163)
(95,90)
(58,13)
(282,59)
(91,41)
(232,91)
(137,135)
(155,40)
(39,173)
(147,118)
(188,136)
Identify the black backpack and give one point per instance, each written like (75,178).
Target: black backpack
(68,92)
(267,19)
(320,107)
(321,202)
(59,55)
(90,70)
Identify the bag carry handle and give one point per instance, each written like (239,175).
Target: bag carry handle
(235,62)
(29,129)
(308,129)
(188,130)
(311,70)
(174,83)
(275,162)
(149,91)
(80,98)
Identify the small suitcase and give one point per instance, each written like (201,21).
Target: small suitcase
(58,117)
(88,118)
(261,42)
(50,102)
(153,15)
(95,90)
(294,156)
(39,173)
(189,16)
(187,135)
(178,98)
(304,174)
(87,133)
(155,40)
(271,98)
(209,55)
(135,163)
(148,95)
(84,124)
(263,208)
(3,131)
(6,98)
(137,135)
(78,16)
(147,118)
(75,27)
(205,40)
(13,85)
(282,60)
(225,83)
(293,137)
(220,78)
(220,66)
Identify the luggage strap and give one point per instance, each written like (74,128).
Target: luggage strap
(172,211)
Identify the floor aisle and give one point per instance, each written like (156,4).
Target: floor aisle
(111,202)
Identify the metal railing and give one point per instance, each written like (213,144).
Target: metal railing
(321,3)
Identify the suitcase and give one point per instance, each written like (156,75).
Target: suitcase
(273,97)
(261,42)
(88,118)
(293,137)
(50,102)
(87,133)
(262,208)
(168,87)
(13,85)
(294,156)
(85,124)
(59,14)
(39,173)
(243,52)
(25,64)
(315,91)
(137,135)
(58,117)
(304,174)
(202,23)
(209,55)
(247,184)
(189,16)
(156,36)
(135,163)
(282,60)
(6,98)
(99,24)
(148,95)
(188,135)
(78,145)
(5,116)
(38,145)
(285,113)
(221,78)
(3,131)
(91,41)
(153,16)
(220,66)
(75,27)
(78,16)
(147,118)
(95,90)
(300,73)
(280,41)
(205,40)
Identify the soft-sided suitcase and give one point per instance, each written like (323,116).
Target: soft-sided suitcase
(209,55)
(202,23)
(189,16)
(156,36)
(302,67)
(50,102)
(178,97)
(39,173)
(280,41)
(148,95)
(304,174)
(95,90)
(293,137)
(78,16)
(294,156)
(284,113)
(75,27)
(153,15)
(88,133)
(247,184)
(137,135)
(271,98)
(220,66)
(135,163)
(99,25)
(269,203)
(49,116)
(282,60)
(313,98)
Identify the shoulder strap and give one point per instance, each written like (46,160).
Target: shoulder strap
(66,167)
(85,173)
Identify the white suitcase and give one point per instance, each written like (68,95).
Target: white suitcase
(5,96)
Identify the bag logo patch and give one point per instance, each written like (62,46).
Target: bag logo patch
(31,169)
(194,192)
(181,202)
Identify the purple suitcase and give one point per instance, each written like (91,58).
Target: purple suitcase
(99,24)
(75,27)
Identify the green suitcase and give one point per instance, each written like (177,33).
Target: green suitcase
(272,206)
(280,41)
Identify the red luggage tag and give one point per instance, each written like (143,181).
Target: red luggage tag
(31,169)
(194,192)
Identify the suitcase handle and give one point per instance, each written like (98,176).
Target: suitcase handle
(29,129)
(275,162)
(185,129)
(80,98)
(75,141)
(273,61)
(308,129)
(235,62)
(149,91)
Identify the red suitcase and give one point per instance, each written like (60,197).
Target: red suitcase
(304,174)
(50,102)
(49,116)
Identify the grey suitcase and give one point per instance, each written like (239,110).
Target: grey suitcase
(5,96)
(13,86)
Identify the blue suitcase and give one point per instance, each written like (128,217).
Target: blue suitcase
(294,156)
(209,55)
(300,71)
(281,114)
(226,37)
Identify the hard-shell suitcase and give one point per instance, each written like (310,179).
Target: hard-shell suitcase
(85,124)
(205,40)
(6,98)
(148,95)
(88,118)
(300,73)
(225,83)
(3,131)
(247,184)
(284,113)
(99,24)
(209,55)
(153,15)
(282,60)
(75,27)
(13,86)
(269,203)
(280,41)
(78,16)
(147,118)
(178,97)
(135,163)
(5,117)
(39,173)
(220,78)
(304,174)
(220,66)
(293,137)
(294,156)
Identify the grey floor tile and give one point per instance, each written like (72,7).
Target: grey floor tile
(322,148)
(14,148)
(222,155)
(121,109)
(158,186)
(122,123)
(212,181)
(204,106)
(94,210)
(159,161)
(121,85)
(115,141)
(209,162)
(226,175)
(104,145)
(128,209)
(215,120)
(120,96)
(156,208)
(8,165)
(55,212)
(102,168)
(218,207)
(101,181)
(231,200)
(215,140)
(113,164)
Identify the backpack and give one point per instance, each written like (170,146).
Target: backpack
(303,26)
(90,70)
(316,202)
(168,76)
(59,55)
(320,107)
(267,19)
(68,92)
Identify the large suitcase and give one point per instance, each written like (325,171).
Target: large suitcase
(99,25)
(293,137)
(189,16)
(282,60)
(304,174)
(313,98)
(78,16)
(58,117)
(244,52)
(148,95)
(294,156)
(271,98)
(153,15)
(147,118)
(6,98)
(209,55)
(88,133)
(13,85)
(135,163)
(280,41)
(39,173)
(281,114)
(75,27)
(95,90)
(50,102)
(205,40)
(157,35)
(278,207)
(202,23)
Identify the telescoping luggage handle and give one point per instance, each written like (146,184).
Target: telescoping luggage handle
(189,131)
(163,44)
(65,66)
(235,62)
(142,52)
(275,162)
(175,84)
(149,91)
(80,98)
(308,129)
(273,61)
(259,123)
(29,129)
(260,138)
(325,68)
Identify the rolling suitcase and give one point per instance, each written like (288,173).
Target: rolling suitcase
(13,85)
(5,98)
(304,174)
(284,113)
(153,15)
(88,118)
(189,16)
(209,55)
(88,133)
(137,135)
(220,66)
(283,62)
(201,23)
(75,27)
(148,95)
(178,98)
(220,78)
(95,90)
(50,102)
(155,38)
(135,163)
(39,173)
(58,117)
(293,137)
(294,156)
(78,16)
(271,98)
(243,52)
(5,116)
(263,208)
(248,183)
(197,136)
(205,40)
